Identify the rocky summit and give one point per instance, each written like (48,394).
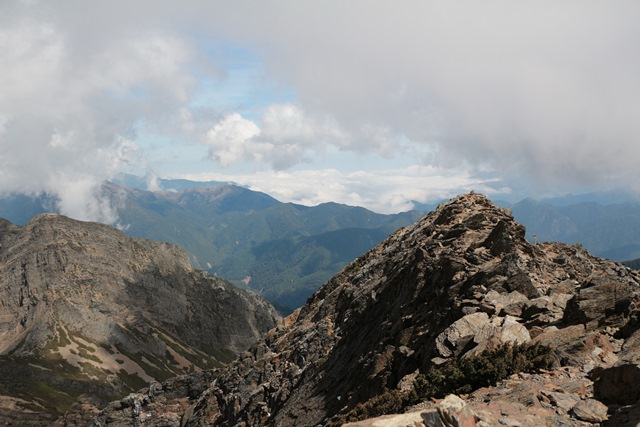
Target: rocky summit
(459,292)
(87,313)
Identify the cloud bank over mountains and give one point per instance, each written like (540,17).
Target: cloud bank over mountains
(544,95)
(376,190)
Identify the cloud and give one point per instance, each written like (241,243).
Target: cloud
(230,139)
(539,90)
(285,136)
(81,196)
(70,101)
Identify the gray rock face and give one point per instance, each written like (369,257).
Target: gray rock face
(590,410)
(86,310)
(460,280)
(478,329)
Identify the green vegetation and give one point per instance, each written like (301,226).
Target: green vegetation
(94,372)
(57,399)
(209,358)
(485,369)
(460,376)
(107,347)
(170,358)
(54,388)
(86,355)
(133,381)
(61,340)
(389,402)
(159,370)
(222,357)
(163,368)
(47,382)
(289,269)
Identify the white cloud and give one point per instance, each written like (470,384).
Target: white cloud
(539,90)
(230,139)
(285,136)
(69,104)
(80,197)
(59,140)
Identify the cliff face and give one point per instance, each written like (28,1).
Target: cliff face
(86,310)
(460,281)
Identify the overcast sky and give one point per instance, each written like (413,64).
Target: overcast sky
(370,103)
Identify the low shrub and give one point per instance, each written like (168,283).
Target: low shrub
(459,376)
(464,375)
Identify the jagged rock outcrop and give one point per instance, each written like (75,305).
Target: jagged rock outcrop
(85,310)
(461,280)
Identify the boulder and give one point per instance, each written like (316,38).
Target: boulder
(476,332)
(448,343)
(510,303)
(619,384)
(590,410)
(544,310)
(601,300)
(454,412)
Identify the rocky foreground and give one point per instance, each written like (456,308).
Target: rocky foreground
(88,313)
(460,283)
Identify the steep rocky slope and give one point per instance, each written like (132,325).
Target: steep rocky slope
(460,281)
(86,310)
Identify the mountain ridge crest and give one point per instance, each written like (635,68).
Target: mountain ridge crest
(459,282)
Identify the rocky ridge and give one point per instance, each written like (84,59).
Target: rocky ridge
(460,281)
(86,311)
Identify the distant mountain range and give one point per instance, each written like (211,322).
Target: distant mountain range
(283,250)
(286,251)
(607,230)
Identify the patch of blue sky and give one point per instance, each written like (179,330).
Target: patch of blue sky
(174,156)
(238,83)
(163,153)
(243,87)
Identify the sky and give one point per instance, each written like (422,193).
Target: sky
(370,103)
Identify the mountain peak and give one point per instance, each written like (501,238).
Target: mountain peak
(459,282)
